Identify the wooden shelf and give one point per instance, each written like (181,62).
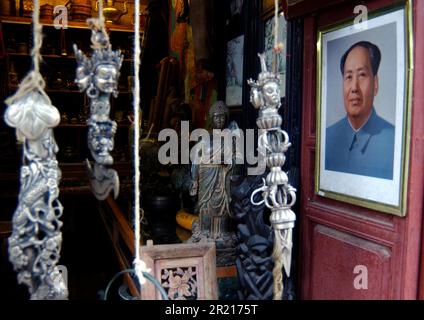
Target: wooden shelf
(69,91)
(46,56)
(52,56)
(5,228)
(123,92)
(72,125)
(71,24)
(61,91)
(74,189)
(82,125)
(74,179)
(50,90)
(80,167)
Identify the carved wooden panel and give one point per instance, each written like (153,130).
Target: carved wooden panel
(185,271)
(180,278)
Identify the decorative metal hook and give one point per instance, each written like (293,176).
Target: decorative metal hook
(262,189)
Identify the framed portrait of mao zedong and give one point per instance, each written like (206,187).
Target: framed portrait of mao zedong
(364,74)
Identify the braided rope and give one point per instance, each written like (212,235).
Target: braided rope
(33,80)
(139,265)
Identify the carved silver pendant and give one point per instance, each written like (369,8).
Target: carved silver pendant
(277,194)
(98,77)
(34,246)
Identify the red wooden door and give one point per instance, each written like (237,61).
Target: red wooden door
(337,237)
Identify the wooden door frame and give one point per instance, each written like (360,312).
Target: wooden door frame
(419,101)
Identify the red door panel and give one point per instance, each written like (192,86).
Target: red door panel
(336,236)
(333,274)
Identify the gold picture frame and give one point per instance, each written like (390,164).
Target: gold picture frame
(338,174)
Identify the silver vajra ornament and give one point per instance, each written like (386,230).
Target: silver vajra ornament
(34,246)
(279,196)
(98,77)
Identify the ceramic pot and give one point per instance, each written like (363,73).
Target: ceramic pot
(80,9)
(161,214)
(46,12)
(110,11)
(162,209)
(7,8)
(164,205)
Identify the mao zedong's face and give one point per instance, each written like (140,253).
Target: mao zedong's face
(359,86)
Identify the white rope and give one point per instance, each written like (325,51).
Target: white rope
(277,271)
(139,265)
(277,254)
(33,80)
(101,16)
(275,23)
(98,25)
(276,44)
(36,56)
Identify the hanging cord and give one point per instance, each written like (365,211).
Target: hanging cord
(101,16)
(277,273)
(140,269)
(139,265)
(276,44)
(38,40)
(33,80)
(277,254)
(102,21)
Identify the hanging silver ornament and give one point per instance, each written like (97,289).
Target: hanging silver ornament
(277,194)
(98,77)
(34,246)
